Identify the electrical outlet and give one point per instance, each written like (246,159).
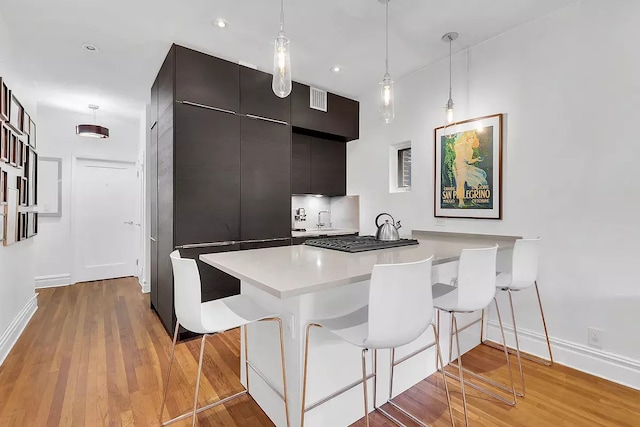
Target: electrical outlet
(595,337)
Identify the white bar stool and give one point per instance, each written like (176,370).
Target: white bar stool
(400,310)
(524,274)
(475,289)
(210,318)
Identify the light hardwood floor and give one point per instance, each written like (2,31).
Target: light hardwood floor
(94,354)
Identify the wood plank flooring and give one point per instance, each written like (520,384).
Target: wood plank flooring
(94,354)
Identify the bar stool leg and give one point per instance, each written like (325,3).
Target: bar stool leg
(304,374)
(364,385)
(195,399)
(444,377)
(166,387)
(284,371)
(515,333)
(506,352)
(544,323)
(454,324)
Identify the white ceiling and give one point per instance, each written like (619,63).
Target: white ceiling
(134,36)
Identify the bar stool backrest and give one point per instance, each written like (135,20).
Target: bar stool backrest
(476,278)
(525,263)
(400,303)
(187,293)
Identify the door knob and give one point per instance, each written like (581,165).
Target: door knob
(129,222)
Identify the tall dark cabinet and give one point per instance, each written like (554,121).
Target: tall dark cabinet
(219,166)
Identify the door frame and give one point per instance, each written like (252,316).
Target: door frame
(76,267)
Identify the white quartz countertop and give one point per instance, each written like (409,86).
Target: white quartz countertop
(331,232)
(290,271)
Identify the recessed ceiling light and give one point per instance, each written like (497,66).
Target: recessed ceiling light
(336,69)
(90,47)
(220,23)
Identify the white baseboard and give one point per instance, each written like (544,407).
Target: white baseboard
(17,325)
(146,287)
(612,367)
(53,281)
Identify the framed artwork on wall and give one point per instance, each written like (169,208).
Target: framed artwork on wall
(5,100)
(21,185)
(32,134)
(11,217)
(2,226)
(16,114)
(468,169)
(5,139)
(4,186)
(49,186)
(31,173)
(13,149)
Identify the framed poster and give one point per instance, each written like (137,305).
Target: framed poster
(32,135)
(32,224)
(16,114)
(4,186)
(11,217)
(49,186)
(2,226)
(13,148)
(5,140)
(21,185)
(5,100)
(468,169)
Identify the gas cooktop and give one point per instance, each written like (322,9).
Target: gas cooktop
(358,243)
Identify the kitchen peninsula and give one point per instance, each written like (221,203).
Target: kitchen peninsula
(305,283)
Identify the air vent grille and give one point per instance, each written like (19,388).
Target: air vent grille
(318,99)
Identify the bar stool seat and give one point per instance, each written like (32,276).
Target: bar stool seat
(505,281)
(211,318)
(400,310)
(446,296)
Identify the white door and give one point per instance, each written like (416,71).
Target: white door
(105,219)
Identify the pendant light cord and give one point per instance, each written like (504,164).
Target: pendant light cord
(387,37)
(450,41)
(281,15)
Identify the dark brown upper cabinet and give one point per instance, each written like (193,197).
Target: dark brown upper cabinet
(257,97)
(318,166)
(341,121)
(206,80)
(265,179)
(328,167)
(300,164)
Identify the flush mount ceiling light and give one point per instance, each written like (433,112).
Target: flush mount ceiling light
(90,47)
(387,110)
(220,23)
(281,84)
(94,130)
(449,38)
(336,69)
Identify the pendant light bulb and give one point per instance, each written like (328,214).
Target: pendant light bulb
(281,84)
(387,108)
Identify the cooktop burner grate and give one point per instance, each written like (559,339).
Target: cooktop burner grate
(358,243)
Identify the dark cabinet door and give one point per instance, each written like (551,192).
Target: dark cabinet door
(215,284)
(207,183)
(328,167)
(165,82)
(206,80)
(300,164)
(341,120)
(153,107)
(266,179)
(257,97)
(153,214)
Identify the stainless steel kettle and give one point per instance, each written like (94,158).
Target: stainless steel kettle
(387,231)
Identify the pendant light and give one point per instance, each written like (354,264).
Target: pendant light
(449,108)
(281,84)
(387,110)
(94,130)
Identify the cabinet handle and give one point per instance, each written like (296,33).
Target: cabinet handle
(207,245)
(153,239)
(208,107)
(279,239)
(266,119)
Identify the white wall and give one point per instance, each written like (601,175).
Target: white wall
(569,85)
(57,138)
(17,262)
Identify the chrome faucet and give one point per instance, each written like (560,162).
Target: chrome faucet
(321,224)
